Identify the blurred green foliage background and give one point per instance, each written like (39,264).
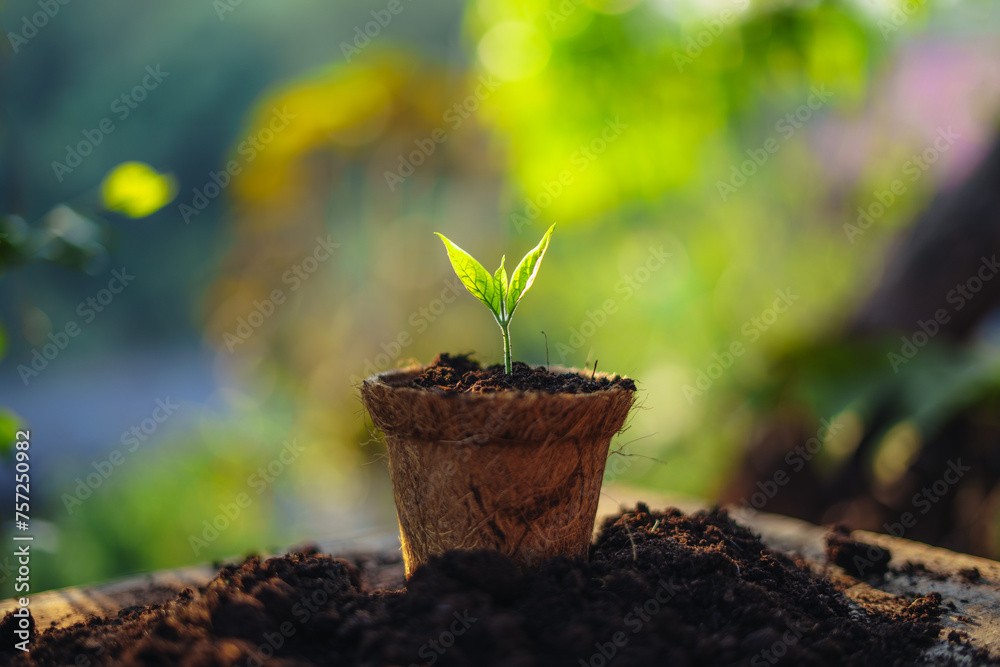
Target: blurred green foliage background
(275,193)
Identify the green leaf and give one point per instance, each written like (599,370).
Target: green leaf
(501,278)
(524,274)
(476,279)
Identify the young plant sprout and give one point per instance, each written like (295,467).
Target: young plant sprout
(499,295)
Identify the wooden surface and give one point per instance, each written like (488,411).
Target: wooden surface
(976,604)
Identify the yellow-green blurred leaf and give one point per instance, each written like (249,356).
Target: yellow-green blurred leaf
(136,189)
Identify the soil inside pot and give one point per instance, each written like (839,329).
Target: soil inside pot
(661,588)
(462,374)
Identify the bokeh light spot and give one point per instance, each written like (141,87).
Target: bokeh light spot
(136,189)
(514,50)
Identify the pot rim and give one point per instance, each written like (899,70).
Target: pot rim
(379,380)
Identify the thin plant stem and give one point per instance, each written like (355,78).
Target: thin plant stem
(506,347)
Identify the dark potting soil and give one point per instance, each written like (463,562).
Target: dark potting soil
(661,588)
(461,374)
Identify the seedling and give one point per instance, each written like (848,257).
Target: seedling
(500,295)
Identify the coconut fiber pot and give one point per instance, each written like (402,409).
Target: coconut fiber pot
(511,471)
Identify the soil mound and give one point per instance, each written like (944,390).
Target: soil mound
(661,588)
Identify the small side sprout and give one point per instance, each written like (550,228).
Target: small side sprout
(500,295)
